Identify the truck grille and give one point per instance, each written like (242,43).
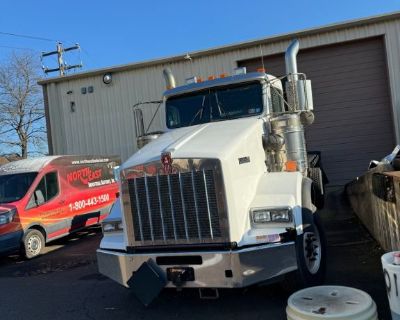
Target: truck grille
(175,208)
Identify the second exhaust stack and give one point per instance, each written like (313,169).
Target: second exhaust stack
(169,79)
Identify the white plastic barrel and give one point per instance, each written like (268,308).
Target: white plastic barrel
(392,280)
(331,302)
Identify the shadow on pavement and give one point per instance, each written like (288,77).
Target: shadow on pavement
(75,250)
(353,255)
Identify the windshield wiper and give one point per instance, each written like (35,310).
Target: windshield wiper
(200,111)
(221,108)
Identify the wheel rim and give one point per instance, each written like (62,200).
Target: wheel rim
(34,245)
(312,251)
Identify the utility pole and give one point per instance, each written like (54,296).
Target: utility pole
(62,66)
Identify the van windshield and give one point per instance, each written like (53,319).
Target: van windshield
(13,187)
(215,104)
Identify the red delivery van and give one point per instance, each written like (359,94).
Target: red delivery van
(46,198)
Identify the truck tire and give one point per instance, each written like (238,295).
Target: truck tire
(32,243)
(311,258)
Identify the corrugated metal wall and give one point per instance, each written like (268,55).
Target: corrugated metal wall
(103,120)
(353,119)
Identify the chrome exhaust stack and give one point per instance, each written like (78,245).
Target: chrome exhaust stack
(169,79)
(291,59)
(298,88)
(285,143)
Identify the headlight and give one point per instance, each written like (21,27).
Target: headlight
(271,215)
(7,217)
(112,226)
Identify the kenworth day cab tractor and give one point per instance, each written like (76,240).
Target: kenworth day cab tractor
(225,196)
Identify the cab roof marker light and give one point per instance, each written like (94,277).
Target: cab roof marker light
(239,71)
(191,80)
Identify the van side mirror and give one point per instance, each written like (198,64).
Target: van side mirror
(39,198)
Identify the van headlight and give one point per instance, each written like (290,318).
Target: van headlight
(7,217)
(271,215)
(112,226)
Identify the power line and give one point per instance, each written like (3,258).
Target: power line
(18,48)
(27,36)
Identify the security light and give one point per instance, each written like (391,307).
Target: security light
(107,78)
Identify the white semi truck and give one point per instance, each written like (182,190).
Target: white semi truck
(225,196)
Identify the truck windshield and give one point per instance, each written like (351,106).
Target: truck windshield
(215,104)
(14,186)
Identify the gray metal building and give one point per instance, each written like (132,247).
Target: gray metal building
(354,67)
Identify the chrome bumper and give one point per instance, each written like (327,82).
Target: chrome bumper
(248,266)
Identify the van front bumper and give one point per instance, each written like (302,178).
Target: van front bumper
(219,269)
(10,241)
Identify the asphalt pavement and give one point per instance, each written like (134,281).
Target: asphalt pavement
(64,283)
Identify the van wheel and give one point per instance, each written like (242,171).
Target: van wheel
(33,243)
(311,258)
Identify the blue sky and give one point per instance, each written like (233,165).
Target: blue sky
(118,32)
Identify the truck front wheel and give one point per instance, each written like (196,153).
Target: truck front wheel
(311,258)
(313,253)
(32,243)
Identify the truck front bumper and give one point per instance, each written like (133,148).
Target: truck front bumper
(218,269)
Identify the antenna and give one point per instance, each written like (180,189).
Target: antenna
(262,57)
(62,66)
(187,57)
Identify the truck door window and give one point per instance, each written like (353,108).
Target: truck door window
(46,190)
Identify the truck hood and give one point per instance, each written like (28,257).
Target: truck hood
(210,140)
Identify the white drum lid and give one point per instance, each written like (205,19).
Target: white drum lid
(331,302)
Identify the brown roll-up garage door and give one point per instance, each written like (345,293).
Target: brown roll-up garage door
(353,117)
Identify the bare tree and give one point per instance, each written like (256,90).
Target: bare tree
(22,125)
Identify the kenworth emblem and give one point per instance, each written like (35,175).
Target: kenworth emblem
(166,162)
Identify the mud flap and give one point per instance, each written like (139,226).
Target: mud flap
(147,282)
